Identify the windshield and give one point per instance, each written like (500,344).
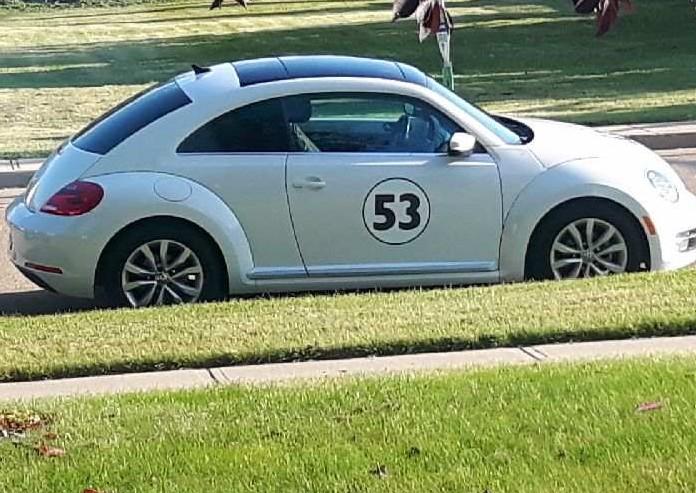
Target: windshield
(505,134)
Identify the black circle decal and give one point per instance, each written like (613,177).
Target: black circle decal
(396,211)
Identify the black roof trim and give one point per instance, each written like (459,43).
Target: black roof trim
(412,74)
(261,70)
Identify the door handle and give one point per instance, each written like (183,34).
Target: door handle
(310,183)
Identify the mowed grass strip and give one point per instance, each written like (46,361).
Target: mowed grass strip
(60,68)
(543,429)
(342,325)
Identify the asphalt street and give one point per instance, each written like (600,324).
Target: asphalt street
(19,296)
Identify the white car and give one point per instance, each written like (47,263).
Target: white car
(326,172)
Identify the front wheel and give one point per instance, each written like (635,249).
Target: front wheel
(160,265)
(573,244)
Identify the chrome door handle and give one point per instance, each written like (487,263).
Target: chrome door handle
(310,183)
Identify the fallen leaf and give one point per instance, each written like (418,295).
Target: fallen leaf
(649,406)
(91,490)
(15,422)
(46,451)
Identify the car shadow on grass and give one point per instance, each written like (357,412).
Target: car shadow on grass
(386,348)
(38,302)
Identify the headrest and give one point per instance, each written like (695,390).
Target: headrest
(298,109)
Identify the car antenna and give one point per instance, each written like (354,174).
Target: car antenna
(198,70)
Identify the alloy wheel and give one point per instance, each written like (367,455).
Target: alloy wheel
(162,272)
(588,247)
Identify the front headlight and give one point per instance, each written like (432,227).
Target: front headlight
(665,188)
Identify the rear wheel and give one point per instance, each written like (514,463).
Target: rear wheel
(587,239)
(162,265)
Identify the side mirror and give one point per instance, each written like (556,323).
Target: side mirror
(462,144)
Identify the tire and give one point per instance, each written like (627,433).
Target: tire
(549,253)
(202,271)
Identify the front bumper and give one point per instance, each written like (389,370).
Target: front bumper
(38,239)
(674,223)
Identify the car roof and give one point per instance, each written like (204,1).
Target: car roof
(262,70)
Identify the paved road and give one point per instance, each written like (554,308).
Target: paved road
(17,295)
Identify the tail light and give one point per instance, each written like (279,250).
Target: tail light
(79,197)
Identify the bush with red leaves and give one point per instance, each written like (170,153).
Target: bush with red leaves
(607,11)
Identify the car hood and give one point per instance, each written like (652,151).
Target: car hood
(556,143)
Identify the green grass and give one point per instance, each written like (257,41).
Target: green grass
(59,68)
(517,430)
(330,326)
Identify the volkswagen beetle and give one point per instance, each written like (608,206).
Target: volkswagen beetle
(326,172)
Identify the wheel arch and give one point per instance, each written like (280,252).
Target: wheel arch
(159,220)
(130,198)
(587,202)
(542,197)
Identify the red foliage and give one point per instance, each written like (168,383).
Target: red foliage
(608,13)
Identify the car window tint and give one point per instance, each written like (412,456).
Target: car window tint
(361,122)
(133,114)
(259,127)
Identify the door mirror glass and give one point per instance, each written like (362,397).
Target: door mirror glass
(462,144)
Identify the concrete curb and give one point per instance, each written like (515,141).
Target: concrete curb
(360,367)
(18,173)
(20,164)
(658,136)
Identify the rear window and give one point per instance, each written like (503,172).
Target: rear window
(133,114)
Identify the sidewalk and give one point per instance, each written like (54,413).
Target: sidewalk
(311,370)
(657,136)
(17,174)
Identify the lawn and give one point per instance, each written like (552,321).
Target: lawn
(534,429)
(333,326)
(59,68)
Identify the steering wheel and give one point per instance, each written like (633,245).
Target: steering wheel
(431,137)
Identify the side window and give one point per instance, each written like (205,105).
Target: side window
(362,122)
(259,127)
(132,115)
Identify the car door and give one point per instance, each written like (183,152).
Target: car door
(241,156)
(372,190)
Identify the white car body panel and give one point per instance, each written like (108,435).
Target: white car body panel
(523,167)
(598,178)
(131,198)
(275,236)
(454,186)
(257,200)
(61,168)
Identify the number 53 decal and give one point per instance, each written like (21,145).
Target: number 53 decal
(382,209)
(396,211)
